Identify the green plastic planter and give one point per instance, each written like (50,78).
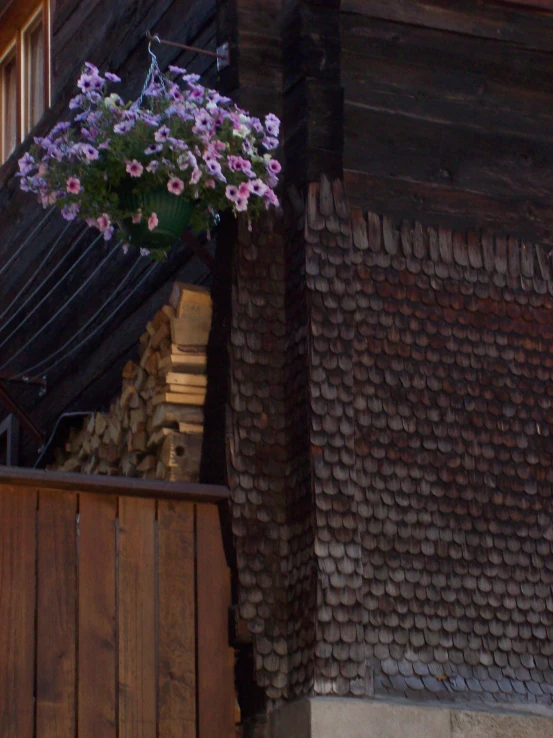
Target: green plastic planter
(173,214)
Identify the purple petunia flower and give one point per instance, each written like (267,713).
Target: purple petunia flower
(161,134)
(124,127)
(108,233)
(89,151)
(153,149)
(258,187)
(231,193)
(274,166)
(70,212)
(270,143)
(112,77)
(152,166)
(26,163)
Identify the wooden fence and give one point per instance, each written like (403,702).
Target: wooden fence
(114,598)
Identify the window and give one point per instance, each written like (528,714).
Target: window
(24,71)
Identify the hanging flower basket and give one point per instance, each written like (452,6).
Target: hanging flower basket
(176,157)
(171,213)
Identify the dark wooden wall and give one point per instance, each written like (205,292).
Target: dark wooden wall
(111,35)
(448,113)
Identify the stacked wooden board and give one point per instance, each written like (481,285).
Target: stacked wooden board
(154,427)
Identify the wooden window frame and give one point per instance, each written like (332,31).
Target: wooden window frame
(9,53)
(15,26)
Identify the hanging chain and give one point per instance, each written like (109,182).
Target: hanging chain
(153,72)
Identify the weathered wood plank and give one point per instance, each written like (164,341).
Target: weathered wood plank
(17,611)
(449,206)
(522,26)
(97,617)
(56,620)
(177,629)
(215,657)
(438,75)
(137,617)
(502,166)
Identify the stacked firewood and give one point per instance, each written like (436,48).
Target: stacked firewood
(154,428)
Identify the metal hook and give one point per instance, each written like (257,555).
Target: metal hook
(152,38)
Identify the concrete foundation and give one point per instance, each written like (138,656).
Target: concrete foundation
(322,717)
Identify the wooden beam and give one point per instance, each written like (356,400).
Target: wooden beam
(541,4)
(122,486)
(13,407)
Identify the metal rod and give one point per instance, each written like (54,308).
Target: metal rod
(188,48)
(9,377)
(12,406)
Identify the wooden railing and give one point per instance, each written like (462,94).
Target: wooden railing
(114,597)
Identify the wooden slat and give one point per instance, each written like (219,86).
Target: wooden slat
(17,612)
(177,637)
(137,636)
(97,617)
(215,658)
(56,622)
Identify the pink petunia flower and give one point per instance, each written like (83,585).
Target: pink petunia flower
(196,175)
(137,217)
(244,190)
(241,204)
(152,221)
(103,222)
(134,168)
(175,185)
(73,185)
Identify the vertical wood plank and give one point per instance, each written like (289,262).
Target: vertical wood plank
(56,620)
(97,617)
(215,657)
(177,629)
(137,619)
(17,611)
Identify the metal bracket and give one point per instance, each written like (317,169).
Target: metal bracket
(223,56)
(222,53)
